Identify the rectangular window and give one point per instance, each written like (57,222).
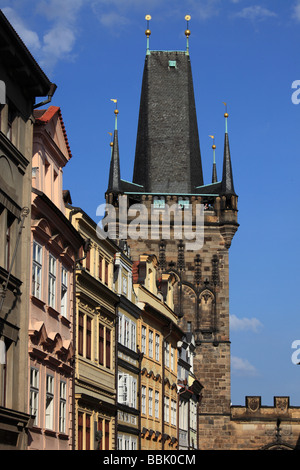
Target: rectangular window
(157,404)
(172,358)
(36,270)
(126,332)
(88,338)
(150,344)
(62,406)
(80,431)
(80,334)
(106,273)
(143,399)
(157,342)
(100,429)
(167,407)
(143,348)
(49,416)
(9,222)
(87,432)
(127,389)
(34,393)
(101,345)
(88,260)
(64,291)
(173,412)
(167,354)
(52,281)
(107,347)
(150,401)
(100,267)
(133,336)
(106,434)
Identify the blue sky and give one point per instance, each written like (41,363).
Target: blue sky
(243,52)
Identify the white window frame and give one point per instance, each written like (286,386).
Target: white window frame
(34,393)
(173,412)
(127,389)
(52,282)
(126,442)
(127,332)
(150,401)
(64,291)
(167,354)
(62,406)
(156,404)
(157,346)
(144,336)
(172,357)
(143,404)
(49,408)
(150,344)
(167,409)
(37,261)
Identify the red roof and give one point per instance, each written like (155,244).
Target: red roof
(45,115)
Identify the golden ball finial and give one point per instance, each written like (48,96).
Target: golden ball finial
(111,144)
(226,115)
(214,147)
(116,111)
(187,33)
(148,32)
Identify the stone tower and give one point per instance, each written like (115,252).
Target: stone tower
(168,174)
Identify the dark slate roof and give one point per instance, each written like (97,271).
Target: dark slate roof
(114,172)
(227,177)
(167,155)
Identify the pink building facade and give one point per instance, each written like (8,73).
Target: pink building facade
(54,248)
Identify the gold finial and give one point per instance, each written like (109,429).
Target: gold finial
(115,111)
(148,32)
(187,31)
(226,114)
(213,137)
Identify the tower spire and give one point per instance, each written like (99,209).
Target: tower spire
(148,33)
(227,177)
(214,172)
(114,173)
(187,33)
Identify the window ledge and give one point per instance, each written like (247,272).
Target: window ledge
(35,300)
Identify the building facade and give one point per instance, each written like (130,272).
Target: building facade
(96,340)
(189,394)
(158,335)
(22,81)
(55,246)
(128,355)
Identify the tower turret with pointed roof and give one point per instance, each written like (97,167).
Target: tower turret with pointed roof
(168,170)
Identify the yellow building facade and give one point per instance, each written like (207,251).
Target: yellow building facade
(158,335)
(95,357)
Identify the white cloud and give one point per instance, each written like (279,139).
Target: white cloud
(242,324)
(296,11)
(58,40)
(242,367)
(29,37)
(255,13)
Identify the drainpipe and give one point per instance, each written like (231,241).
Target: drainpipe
(141,355)
(163,385)
(116,376)
(50,96)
